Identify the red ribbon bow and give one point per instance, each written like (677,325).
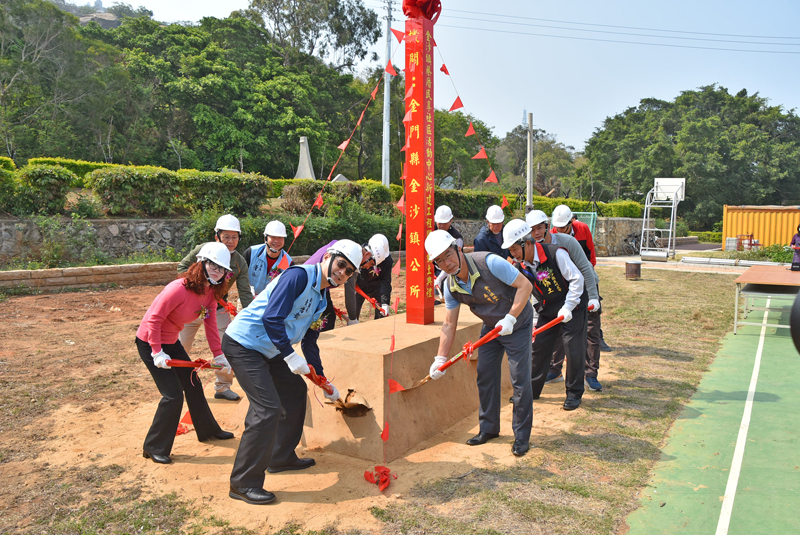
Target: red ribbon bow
(381,477)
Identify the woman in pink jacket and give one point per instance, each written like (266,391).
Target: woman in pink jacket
(194,294)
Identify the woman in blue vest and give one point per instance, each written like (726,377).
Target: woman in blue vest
(264,259)
(259,345)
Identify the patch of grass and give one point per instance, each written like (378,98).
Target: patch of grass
(664,330)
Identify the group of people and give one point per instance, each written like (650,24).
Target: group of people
(511,266)
(284,304)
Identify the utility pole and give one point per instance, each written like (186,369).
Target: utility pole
(387,93)
(529,203)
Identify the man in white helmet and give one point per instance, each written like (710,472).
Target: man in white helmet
(227,231)
(374,279)
(490,237)
(497,294)
(444,221)
(268,259)
(539,223)
(558,286)
(259,346)
(564,222)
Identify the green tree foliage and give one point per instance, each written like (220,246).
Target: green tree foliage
(732,149)
(453,163)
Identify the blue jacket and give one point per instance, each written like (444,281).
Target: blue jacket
(258,271)
(282,314)
(485,241)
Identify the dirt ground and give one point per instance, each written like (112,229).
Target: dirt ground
(76,396)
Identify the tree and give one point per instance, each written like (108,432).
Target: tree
(453,163)
(120,10)
(732,149)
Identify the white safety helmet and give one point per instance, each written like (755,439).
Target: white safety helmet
(228,222)
(536,217)
(495,214)
(438,242)
(562,215)
(350,250)
(275,228)
(215,252)
(443,214)
(514,231)
(378,246)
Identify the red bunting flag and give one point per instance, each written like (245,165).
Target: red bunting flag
(407,145)
(492,178)
(505,201)
(399,234)
(296,230)
(396,267)
(457,104)
(362,116)
(375,91)
(411,68)
(391,347)
(396,299)
(284,263)
(390,69)
(318,202)
(394,386)
(443,68)
(344,144)
(481,155)
(398,34)
(470,130)
(407,117)
(385,432)
(401,205)
(410,92)
(434,42)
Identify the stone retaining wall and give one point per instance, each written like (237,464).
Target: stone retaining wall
(52,280)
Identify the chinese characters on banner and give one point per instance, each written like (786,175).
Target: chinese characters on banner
(419,169)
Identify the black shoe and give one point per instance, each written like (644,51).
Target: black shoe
(299,464)
(511,399)
(481,438)
(520,448)
(230,395)
(224,435)
(160,459)
(604,346)
(571,404)
(252,496)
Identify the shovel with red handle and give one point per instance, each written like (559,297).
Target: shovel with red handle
(553,323)
(370,300)
(200,364)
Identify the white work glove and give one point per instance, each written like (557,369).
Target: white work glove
(333,396)
(160,359)
(593,303)
(507,324)
(297,364)
(385,309)
(566,313)
(220,360)
(352,322)
(435,373)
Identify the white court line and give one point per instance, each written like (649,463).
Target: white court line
(738,453)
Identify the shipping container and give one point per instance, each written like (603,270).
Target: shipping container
(767,224)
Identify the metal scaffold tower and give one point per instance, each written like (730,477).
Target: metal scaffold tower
(657,243)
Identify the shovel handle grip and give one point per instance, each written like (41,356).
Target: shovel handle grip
(488,337)
(200,363)
(370,300)
(553,323)
(319,380)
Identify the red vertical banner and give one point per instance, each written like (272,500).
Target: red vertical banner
(419,169)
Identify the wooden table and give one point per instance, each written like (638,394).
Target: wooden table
(776,283)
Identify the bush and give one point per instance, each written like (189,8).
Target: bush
(396,191)
(148,191)
(279,183)
(472,204)
(681,227)
(87,206)
(8,190)
(377,197)
(708,237)
(772,253)
(7,164)
(621,209)
(80,167)
(45,186)
(233,193)
(346,221)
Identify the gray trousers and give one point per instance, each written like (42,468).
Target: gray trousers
(572,345)
(186,336)
(591,365)
(273,426)
(517,346)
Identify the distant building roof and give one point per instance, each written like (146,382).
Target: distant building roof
(106,21)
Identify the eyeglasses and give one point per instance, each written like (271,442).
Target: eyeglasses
(444,257)
(341,263)
(211,266)
(229,239)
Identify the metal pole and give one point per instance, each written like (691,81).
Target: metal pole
(387,93)
(529,199)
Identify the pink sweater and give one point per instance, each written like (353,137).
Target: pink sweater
(173,308)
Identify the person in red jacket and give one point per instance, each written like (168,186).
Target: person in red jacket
(564,222)
(194,294)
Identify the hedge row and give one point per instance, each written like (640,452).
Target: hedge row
(80,167)
(708,237)
(299,198)
(35,189)
(7,163)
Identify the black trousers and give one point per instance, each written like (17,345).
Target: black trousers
(173,383)
(594,334)
(328,316)
(572,336)
(360,303)
(274,423)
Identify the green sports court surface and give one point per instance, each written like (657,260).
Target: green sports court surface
(731,463)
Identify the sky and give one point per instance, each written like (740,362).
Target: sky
(568,75)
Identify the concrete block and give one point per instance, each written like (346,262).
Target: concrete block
(77,271)
(132,268)
(105,270)
(60,281)
(358,357)
(16,275)
(116,277)
(162,266)
(45,273)
(16,283)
